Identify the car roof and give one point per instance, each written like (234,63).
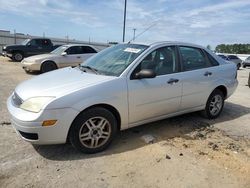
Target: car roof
(168,43)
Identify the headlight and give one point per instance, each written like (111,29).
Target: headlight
(35,104)
(4,47)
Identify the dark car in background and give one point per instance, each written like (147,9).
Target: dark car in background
(235,59)
(232,58)
(223,57)
(28,48)
(246,63)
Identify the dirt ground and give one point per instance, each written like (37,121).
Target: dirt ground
(188,151)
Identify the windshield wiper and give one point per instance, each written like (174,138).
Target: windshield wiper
(90,68)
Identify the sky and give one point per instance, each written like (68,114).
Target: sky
(204,22)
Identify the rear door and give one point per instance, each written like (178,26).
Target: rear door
(199,73)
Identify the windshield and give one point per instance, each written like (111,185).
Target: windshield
(248,58)
(114,60)
(59,50)
(25,41)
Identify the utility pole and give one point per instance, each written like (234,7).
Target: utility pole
(14,36)
(124,20)
(134,34)
(43,34)
(67,38)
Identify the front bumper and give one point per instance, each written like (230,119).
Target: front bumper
(30,66)
(29,125)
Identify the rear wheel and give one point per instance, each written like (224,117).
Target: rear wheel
(48,66)
(214,105)
(93,130)
(17,56)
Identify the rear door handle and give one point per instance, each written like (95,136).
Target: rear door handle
(207,73)
(78,56)
(172,81)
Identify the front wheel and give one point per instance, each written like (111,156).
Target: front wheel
(93,130)
(17,56)
(214,105)
(48,66)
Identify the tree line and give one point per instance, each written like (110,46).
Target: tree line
(233,48)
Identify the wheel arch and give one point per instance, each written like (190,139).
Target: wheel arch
(109,107)
(47,60)
(223,89)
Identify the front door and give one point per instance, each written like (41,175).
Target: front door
(155,97)
(72,58)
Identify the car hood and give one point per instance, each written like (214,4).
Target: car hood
(13,46)
(58,83)
(40,57)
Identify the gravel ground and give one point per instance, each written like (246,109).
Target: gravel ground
(187,151)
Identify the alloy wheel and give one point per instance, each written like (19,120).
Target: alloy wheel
(95,132)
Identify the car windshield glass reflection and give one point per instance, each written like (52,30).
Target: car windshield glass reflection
(25,42)
(114,60)
(59,50)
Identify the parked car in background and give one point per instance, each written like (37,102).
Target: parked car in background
(123,86)
(235,59)
(28,48)
(246,63)
(223,57)
(63,56)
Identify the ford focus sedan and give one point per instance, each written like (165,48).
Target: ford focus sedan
(121,87)
(63,56)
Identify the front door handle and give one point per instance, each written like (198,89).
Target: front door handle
(207,73)
(78,56)
(172,81)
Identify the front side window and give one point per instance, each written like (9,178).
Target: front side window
(74,50)
(114,60)
(192,58)
(162,61)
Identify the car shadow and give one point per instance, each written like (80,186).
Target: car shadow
(130,139)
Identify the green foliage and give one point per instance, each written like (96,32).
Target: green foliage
(233,48)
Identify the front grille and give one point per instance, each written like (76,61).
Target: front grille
(16,100)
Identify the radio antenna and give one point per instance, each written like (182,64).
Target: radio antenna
(152,25)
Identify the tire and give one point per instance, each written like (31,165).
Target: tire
(213,109)
(97,126)
(48,66)
(17,56)
(238,66)
(244,66)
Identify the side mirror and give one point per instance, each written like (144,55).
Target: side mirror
(145,73)
(64,53)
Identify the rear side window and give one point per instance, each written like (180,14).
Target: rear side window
(211,59)
(192,58)
(88,49)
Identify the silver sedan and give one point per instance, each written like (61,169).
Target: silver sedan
(63,56)
(121,87)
